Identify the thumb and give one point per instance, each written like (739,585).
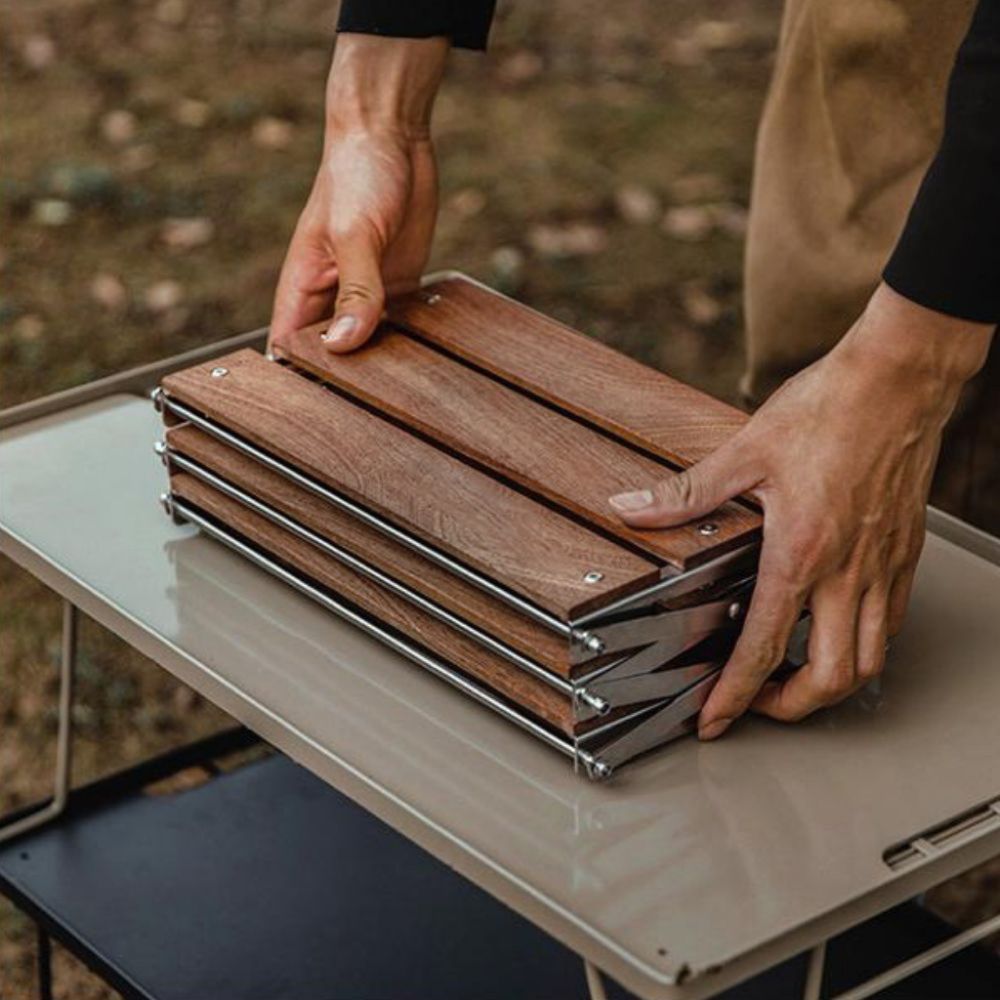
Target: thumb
(360,293)
(691,493)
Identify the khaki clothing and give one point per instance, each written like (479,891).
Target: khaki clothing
(852,119)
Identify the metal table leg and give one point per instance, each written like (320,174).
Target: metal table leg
(64,743)
(814,974)
(44,965)
(595,984)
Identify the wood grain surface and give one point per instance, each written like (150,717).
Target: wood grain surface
(551,454)
(515,540)
(587,378)
(513,683)
(448,590)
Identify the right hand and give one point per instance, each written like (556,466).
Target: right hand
(367,227)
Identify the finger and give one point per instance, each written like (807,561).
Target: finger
(725,473)
(829,674)
(360,292)
(774,610)
(902,586)
(873,632)
(305,292)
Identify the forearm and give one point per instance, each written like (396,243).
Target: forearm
(384,84)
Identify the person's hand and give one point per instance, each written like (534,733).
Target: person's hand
(368,223)
(840,459)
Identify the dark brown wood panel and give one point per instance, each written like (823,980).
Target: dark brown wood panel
(547,452)
(497,673)
(525,635)
(587,378)
(521,543)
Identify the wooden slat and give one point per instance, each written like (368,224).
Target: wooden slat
(550,454)
(521,543)
(448,590)
(583,376)
(508,680)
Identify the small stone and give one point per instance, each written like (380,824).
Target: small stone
(135,159)
(51,212)
(637,205)
(29,328)
(701,307)
(185,234)
(163,296)
(520,67)
(192,113)
(107,290)
(508,264)
(118,127)
(272,133)
(688,222)
(575,239)
(38,52)
(467,202)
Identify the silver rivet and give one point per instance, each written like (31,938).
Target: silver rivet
(432,299)
(593,577)
(219,372)
(167,503)
(160,447)
(734,611)
(601,770)
(708,528)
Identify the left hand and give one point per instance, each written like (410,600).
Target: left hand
(840,459)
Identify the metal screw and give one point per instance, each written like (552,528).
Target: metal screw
(734,611)
(593,577)
(601,770)
(219,372)
(432,299)
(708,528)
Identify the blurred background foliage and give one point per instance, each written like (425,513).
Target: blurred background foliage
(156,153)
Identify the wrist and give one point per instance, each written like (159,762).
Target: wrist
(896,338)
(384,84)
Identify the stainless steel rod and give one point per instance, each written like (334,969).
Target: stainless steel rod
(419,656)
(372,573)
(368,517)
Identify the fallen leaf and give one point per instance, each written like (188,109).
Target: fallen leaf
(172,12)
(29,328)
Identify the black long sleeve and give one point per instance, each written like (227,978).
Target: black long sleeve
(465,22)
(948,257)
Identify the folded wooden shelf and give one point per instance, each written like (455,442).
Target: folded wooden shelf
(447,488)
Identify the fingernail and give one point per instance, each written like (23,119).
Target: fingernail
(632,501)
(714,729)
(340,330)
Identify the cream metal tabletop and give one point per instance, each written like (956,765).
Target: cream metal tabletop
(691,870)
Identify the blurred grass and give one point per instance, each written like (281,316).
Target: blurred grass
(594,164)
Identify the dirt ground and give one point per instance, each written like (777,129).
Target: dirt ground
(156,154)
